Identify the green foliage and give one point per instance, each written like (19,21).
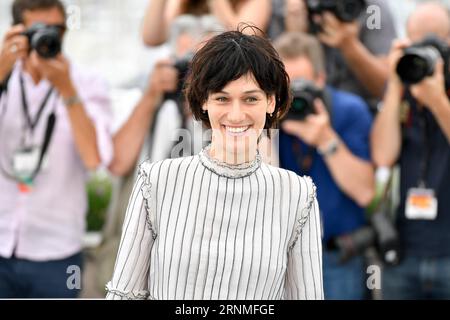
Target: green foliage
(99,191)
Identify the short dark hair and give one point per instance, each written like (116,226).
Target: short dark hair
(229,56)
(20,6)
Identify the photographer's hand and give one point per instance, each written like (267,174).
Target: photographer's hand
(431,93)
(337,34)
(56,71)
(164,78)
(13,48)
(315,130)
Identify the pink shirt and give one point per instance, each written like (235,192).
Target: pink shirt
(48,223)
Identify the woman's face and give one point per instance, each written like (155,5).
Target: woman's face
(237,115)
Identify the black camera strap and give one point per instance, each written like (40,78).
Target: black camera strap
(32,124)
(4,84)
(51,120)
(424,163)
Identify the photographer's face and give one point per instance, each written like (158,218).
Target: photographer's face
(237,116)
(51,16)
(301,67)
(428,19)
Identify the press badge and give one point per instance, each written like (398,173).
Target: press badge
(25,162)
(421,203)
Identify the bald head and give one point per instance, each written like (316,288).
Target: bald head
(430,17)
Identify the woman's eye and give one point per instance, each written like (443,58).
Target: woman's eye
(221,99)
(251,99)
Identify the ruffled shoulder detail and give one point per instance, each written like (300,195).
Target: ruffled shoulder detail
(146,188)
(126,295)
(304,213)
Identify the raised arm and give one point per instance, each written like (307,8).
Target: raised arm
(304,278)
(256,12)
(386,139)
(130,277)
(128,141)
(157,19)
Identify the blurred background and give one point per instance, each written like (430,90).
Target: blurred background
(105,36)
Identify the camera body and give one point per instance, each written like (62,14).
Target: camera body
(344,10)
(419,60)
(182,66)
(44,39)
(304,93)
(380,233)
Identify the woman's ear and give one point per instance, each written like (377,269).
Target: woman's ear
(271,104)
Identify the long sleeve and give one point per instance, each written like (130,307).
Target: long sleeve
(304,279)
(131,271)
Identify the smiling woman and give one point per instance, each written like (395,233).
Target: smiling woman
(223,224)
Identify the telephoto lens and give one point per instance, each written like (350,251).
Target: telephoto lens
(417,63)
(419,60)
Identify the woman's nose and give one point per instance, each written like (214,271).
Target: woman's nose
(236,113)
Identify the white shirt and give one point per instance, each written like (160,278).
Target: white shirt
(196,228)
(48,222)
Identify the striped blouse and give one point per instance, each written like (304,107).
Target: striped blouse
(199,229)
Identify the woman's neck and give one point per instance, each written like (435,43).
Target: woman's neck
(230,157)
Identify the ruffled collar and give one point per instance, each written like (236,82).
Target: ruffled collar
(229,170)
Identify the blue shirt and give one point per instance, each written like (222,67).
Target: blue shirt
(352,121)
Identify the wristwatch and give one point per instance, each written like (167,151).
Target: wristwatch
(73,100)
(329,149)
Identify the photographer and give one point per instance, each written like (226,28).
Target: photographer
(413,131)
(161,114)
(331,145)
(161,14)
(54,128)
(355,48)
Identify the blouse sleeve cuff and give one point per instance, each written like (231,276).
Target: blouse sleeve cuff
(116,294)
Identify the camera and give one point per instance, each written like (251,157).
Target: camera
(380,233)
(387,241)
(344,10)
(44,39)
(182,66)
(304,93)
(419,60)
(352,244)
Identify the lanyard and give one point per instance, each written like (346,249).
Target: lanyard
(32,124)
(427,154)
(51,121)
